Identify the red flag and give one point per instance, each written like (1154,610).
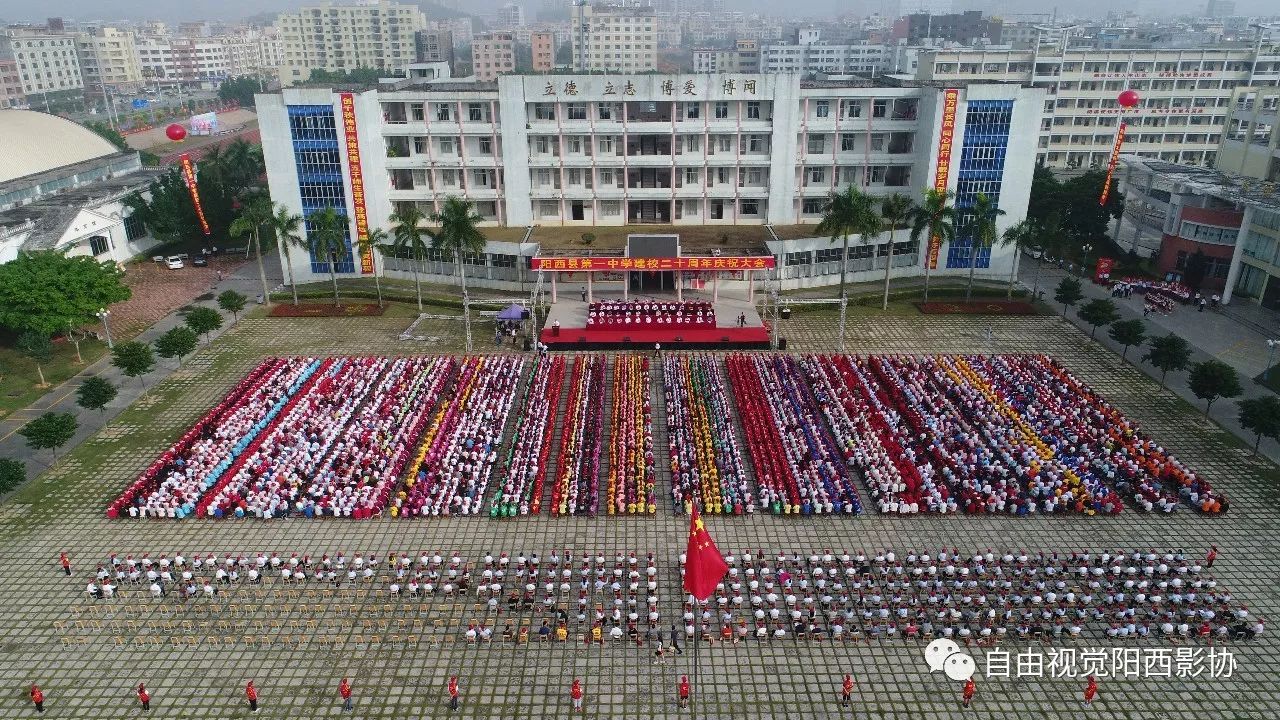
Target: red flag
(703,565)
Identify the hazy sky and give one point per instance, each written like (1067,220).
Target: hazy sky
(26,10)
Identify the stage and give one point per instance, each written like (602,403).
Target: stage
(725,335)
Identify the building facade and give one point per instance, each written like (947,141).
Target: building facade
(342,38)
(728,150)
(744,57)
(493,54)
(1251,143)
(11,95)
(47,63)
(1185,96)
(614,38)
(434,46)
(542,46)
(109,60)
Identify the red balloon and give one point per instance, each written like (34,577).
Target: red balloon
(176,132)
(1128,98)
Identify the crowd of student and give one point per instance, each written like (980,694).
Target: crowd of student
(644,313)
(525,468)
(631,477)
(983,597)
(576,488)
(706,464)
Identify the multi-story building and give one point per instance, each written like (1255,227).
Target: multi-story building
(434,46)
(810,54)
(242,54)
(11,95)
(731,150)
(615,38)
(47,63)
(1251,142)
(342,38)
(1220,8)
(1185,95)
(966,28)
(744,57)
(928,7)
(270,51)
(542,45)
(493,54)
(109,60)
(511,16)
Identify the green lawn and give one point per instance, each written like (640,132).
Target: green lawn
(19,380)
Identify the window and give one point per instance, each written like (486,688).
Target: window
(749,207)
(817,176)
(486,146)
(822,108)
(817,144)
(475,112)
(605,144)
(692,143)
(847,142)
(852,109)
(577,111)
(811,206)
(717,209)
(610,208)
(804,257)
(544,111)
(722,110)
(691,176)
(442,112)
(446,146)
(99,244)
(753,110)
(879,108)
(482,178)
(133,228)
(605,111)
(606,176)
(722,176)
(724,142)
(877,142)
(574,145)
(691,110)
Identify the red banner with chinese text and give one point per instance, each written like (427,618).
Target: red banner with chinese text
(356,176)
(607,264)
(1111,165)
(942,165)
(189,177)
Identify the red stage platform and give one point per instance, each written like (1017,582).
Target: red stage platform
(731,338)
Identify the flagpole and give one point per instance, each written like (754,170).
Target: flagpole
(697,636)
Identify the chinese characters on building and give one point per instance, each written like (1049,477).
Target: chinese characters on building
(356,176)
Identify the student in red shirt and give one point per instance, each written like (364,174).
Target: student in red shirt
(37,697)
(66,563)
(575,692)
(251,693)
(969,689)
(684,691)
(1090,691)
(344,689)
(144,697)
(846,690)
(1208,559)
(453,692)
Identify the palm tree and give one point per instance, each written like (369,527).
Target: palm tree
(851,212)
(895,209)
(984,235)
(374,241)
(412,241)
(458,235)
(1020,236)
(253,216)
(327,238)
(934,219)
(286,226)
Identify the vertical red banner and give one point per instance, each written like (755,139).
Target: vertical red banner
(1111,165)
(189,177)
(942,165)
(356,176)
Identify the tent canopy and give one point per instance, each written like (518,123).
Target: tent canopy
(512,312)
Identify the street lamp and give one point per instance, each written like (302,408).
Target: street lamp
(103,315)
(1271,355)
(1084,261)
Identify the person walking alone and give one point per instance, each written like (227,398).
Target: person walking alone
(575,693)
(846,689)
(251,694)
(1213,555)
(454,702)
(65,562)
(1090,691)
(684,691)
(969,689)
(37,697)
(344,689)
(144,697)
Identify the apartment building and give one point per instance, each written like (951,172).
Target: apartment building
(109,60)
(1186,95)
(342,38)
(615,38)
(808,53)
(434,46)
(270,50)
(11,95)
(543,47)
(1251,141)
(47,62)
(696,149)
(743,57)
(493,54)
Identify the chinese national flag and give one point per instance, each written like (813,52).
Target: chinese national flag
(703,566)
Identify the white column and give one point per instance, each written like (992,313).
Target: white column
(553,287)
(626,284)
(589,295)
(1233,273)
(715,286)
(751,287)
(679,286)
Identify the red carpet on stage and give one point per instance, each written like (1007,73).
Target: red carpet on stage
(672,338)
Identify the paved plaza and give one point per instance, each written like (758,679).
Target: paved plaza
(296,642)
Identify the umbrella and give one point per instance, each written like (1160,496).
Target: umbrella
(512,312)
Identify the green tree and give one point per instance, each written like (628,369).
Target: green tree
(356,76)
(851,212)
(458,237)
(177,342)
(1168,353)
(1212,379)
(95,393)
(1075,203)
(232,302)
(286,227)
(327,238)
(47,291)
(50,431)
(12,474)
(1260,416)
(373,243)
(1021,236)
(411,241)
(241,90)
(37,346)
(203,320)
(895,209)
(254,215)
(1050,232)
(983,234)
(108,133)
(934,218)
(1068,293)
(1098,312)
(1128,333)
(134,359)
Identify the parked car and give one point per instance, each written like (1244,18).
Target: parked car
(173,262)
(1034,251)
(200,261)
